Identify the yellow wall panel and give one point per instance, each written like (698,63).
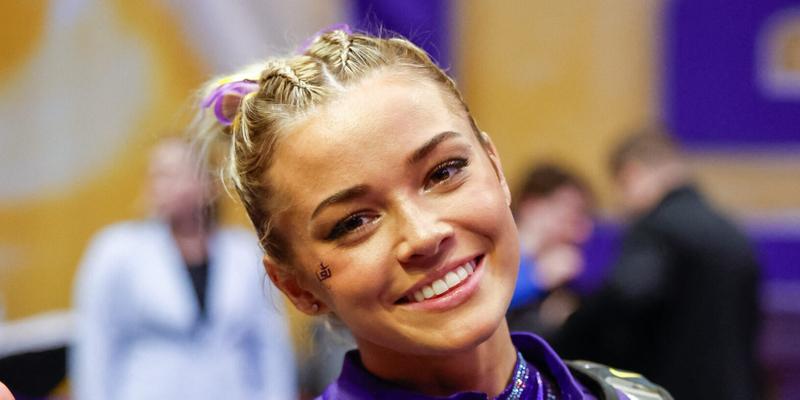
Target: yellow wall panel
(43,237)
(565,80)
(21,26)
(559,80)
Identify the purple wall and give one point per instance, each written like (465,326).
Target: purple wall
(720,87)
(424,22)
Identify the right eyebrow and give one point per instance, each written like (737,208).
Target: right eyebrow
(429,146)
(341,197)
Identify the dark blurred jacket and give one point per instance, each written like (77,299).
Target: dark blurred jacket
(680,305)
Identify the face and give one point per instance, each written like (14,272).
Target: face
(562,217)
(175,187)
(389,188)
(636,193)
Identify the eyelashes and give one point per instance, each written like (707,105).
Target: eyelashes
(442,175)
(351,224)
(445,172)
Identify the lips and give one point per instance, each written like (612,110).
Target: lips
(441,286)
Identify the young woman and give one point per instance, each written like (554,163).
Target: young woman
(380,203)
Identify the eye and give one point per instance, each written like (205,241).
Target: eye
(350,224)
(445,172)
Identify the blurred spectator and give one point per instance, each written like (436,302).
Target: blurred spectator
(173,307)
(680,304)
(553,216)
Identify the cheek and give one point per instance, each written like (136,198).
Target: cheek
(486,216)
(486,213)
(360,275)
(486,202)
(482,209)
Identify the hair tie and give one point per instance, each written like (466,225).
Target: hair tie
(216,97)
(335,27)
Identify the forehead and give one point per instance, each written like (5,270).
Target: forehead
(369,130)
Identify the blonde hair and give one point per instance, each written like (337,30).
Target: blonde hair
(291,88)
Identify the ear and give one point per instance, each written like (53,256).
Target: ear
(294,287)
(488,145)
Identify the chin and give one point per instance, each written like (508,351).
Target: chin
(459,333)
(450,331)
(472,325)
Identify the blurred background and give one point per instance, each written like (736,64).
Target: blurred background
(88,86)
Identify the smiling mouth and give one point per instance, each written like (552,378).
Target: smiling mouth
(440,287)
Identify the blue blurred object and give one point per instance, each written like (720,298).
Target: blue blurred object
(527,289)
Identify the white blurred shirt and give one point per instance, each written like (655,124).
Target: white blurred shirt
(140,334)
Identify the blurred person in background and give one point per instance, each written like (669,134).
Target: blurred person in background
(680,304)
(175,307)
(553,216)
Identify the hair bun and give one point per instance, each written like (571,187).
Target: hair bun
(227,98)
(344,28)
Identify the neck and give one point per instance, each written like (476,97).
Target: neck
(485,368)
(187,225)
(190,235)
(662,180)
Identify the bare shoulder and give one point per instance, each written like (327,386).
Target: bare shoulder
(5,394)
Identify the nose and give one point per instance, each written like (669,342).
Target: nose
(424,234)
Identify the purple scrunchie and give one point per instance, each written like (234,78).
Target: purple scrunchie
(245,86)
(239,88)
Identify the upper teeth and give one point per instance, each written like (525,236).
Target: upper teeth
(442,285)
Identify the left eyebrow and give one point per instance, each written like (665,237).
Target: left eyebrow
(429,146)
